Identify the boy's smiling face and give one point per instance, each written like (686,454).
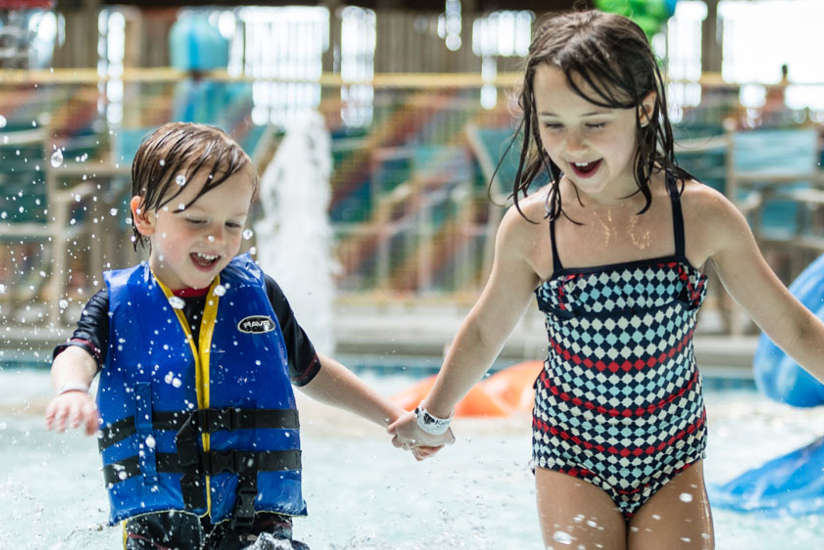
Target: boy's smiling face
(190,247)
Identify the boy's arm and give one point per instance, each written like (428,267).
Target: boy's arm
(336,385)
(71,374)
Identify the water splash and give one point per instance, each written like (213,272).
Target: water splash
(57,158)
(294,238)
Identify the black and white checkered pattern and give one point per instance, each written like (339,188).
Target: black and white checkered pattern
(619,401)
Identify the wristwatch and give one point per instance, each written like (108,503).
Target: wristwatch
(432,424)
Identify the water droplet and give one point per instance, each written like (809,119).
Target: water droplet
(562,537)
(210,238)
(685,497)
(3,121)
(150,441)
(63,304)
(176,382)
(122,475)
(113,211)
(57,158)
(162,162)
(180,179)
(248,233)
(176,302)
(220,290)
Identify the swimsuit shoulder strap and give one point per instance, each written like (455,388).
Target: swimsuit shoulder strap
(556,260)
(677,215)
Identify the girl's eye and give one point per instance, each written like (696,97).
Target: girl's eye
(233,225)
(552,126)
(596,125)
(195,221)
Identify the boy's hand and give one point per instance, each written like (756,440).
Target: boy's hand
(408,435)
(71,409)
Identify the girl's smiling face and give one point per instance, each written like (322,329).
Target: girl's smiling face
(593,145)
(189,247)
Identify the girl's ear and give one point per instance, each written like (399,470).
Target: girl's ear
(646,108)
(143,221)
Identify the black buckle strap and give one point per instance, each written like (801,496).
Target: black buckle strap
(188,460)
(212,463)
(210,420)
(243,516)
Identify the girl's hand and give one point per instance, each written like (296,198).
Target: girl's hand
(74,408)
(407,435)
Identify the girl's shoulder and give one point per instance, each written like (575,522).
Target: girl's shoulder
(699,200)
(711,220)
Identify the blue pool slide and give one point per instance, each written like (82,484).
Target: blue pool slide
(793,483)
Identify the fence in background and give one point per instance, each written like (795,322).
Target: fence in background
(410,197)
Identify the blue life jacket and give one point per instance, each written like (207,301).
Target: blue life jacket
(206,427)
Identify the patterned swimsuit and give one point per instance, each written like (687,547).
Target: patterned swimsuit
(618,402)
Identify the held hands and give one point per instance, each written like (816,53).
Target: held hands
(72,409)
(408,435)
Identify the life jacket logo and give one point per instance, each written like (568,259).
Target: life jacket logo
(256,324)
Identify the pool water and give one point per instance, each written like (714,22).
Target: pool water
(363,493)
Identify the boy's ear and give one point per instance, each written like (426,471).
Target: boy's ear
(646,108)
(144,221)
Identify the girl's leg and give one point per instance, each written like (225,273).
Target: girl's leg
(576,514)
(676,517)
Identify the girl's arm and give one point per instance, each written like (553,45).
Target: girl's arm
(336,385)
(751,282)
(485,329)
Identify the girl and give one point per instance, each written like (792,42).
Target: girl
(198,351)
(618,425)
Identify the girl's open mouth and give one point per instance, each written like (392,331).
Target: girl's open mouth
(585,169)
(204,261)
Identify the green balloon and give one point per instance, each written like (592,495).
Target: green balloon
(650,15)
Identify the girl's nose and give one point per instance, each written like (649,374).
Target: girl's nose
(574,142)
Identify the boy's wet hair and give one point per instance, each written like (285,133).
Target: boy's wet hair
(611,54)
(182,150)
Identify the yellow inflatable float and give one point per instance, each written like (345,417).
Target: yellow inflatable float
(503,393)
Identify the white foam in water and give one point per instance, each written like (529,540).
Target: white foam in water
(294,238)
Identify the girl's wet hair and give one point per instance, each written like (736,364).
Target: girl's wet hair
(183,149)
(611,54)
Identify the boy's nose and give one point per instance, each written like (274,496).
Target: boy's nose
(216,234)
